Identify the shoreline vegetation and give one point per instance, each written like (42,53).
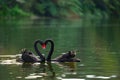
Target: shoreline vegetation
(59,8)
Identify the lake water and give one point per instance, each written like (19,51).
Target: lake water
(96,42)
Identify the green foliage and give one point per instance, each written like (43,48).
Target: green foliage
(9,8)
(102,7)
(70,7)
(16,10)
(46,8)
(59,8)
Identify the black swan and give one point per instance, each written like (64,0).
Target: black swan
(28,56)
(66,57)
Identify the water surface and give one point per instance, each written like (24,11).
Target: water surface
(96,41)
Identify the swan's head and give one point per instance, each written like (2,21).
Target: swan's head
(43,45)
(46,42)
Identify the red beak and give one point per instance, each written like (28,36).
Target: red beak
(43,46)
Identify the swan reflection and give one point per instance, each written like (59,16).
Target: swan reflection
(48,69)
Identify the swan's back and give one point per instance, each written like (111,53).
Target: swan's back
(67,57)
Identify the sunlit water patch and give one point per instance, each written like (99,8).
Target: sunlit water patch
(35,75)
(7,62)
(100,77)
(9,59)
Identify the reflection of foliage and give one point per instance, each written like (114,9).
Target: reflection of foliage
(59,8)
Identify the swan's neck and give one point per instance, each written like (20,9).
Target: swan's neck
(38,52)
(51,49)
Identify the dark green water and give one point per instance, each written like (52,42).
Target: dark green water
(96,41)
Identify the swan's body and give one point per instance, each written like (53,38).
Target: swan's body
(67,57)
(28,56)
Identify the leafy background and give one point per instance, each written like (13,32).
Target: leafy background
(59,8)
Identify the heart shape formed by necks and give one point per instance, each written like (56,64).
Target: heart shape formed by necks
(43,44)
